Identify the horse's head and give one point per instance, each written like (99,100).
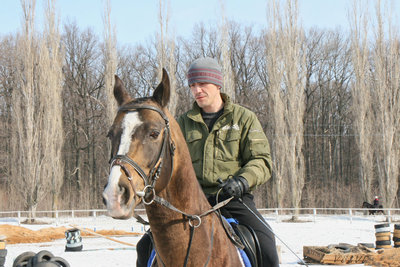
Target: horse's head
(142,149)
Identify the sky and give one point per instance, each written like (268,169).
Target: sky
(136,21)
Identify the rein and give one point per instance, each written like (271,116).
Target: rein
(150,180)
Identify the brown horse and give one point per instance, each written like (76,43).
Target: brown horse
(150,163)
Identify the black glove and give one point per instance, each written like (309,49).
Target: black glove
(235,186)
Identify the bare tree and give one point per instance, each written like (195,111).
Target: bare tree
(110,68)
(376,103)
(286,70)
(385,77)
(328,132)
(203,43)
(110,63)
(37,134)
(138,67)
(7,83)
(363,117)
(26,117)
(277,107)
(246,52)
(166,52)
(51,78)
(295,74)
(228,86)
(84,119)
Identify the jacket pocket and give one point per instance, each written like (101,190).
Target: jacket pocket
(195,145)
(259,147)
(227,145)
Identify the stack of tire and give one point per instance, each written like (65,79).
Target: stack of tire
(3,251)
(382,235)
(396,236)
(43,258)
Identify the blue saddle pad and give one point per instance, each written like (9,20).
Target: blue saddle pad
(151,258)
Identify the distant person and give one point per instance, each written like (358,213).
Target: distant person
(376,202)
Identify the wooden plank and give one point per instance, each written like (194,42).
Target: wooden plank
(348,258)
(313,253)
(316,254)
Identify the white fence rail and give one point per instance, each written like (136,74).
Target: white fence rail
(276,214)
(285,214)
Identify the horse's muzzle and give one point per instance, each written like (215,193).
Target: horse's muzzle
(116,200)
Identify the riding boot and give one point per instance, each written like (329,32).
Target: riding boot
(144,248)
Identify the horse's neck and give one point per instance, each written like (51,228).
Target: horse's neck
(184,193)
(183,190)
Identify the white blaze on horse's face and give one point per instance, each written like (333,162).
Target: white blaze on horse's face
(113,193)
(129,124)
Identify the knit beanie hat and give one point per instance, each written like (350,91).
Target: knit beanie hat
(205,70)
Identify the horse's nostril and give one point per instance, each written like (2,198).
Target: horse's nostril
(104,197)
(124,193)
(121,189)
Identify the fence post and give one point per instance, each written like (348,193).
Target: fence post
(351,217)
(19,217)
(315,214)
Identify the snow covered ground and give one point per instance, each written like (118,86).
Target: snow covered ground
(100,252)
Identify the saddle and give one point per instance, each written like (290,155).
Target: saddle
(249,240)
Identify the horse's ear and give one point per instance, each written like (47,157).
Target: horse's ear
(162,92)
(120,93)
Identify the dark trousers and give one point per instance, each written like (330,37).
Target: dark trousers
(144,248)
(234,209)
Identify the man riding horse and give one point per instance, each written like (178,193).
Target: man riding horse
(373,208)
(229,151)
(150,163)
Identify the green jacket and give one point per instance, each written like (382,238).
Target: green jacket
(236,145)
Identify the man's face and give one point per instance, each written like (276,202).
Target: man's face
(207,95)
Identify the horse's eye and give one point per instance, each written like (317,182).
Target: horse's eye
(154,134)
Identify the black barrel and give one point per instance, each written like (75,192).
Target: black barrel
(74,240)
(396,236)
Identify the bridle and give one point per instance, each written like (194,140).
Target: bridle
(149,180)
